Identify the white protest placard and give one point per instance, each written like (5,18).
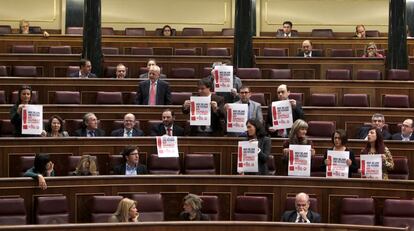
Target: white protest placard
(299,160)
(167,146)
(237,115)
(337,167)
(200,110)
(223,78)
(247,156)
(32,119)
(282,114)
(371,166)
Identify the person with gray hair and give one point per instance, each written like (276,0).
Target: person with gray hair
(302,213)
(378,121)
(192,209)
(153,91)
(89,127)
(297,135)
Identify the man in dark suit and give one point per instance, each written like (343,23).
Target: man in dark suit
(307,51)
(131,165)
(129,129)
(302,214)
(89,127)
(167,127)
(378,121)
(406,133)
(85,68)
(153,91)
(151,62)
(286,32)
(205,87)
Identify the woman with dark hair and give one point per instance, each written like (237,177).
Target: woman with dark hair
(42,167)
(375,145)
(257,132)
(192,209)
(166,31)
(339,140)
(24,98)
(54,127)
(297,135)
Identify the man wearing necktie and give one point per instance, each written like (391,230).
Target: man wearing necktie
(130,165)
(89,127)
(129,129)
(307,51)
(153,91)
(168,125)
(302,213)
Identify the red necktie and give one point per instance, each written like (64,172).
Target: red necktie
(152,95)
(169,132)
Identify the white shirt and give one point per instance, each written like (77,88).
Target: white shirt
(298,217)
(126,133)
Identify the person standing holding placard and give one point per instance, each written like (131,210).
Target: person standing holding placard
(24,98)
(256,131)
(375,145)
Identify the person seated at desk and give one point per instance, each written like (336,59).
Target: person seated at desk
(307,51)
(166,31)
(129,129)
(297,135)
(153,91)
(120,72)
(378,121)
(42,168)
(360,32)
(192,209)
(150,63)
(54,128)
(85,68)
(167,127)
(24,28)
(286,31)
(256,132)
(86,166)
(89,127)
(371,51)
(24,98)
(302,214)
(126,212)
(406,133)
(130,165)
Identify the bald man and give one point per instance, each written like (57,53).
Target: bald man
(307,51)
(302,214)
(129,129)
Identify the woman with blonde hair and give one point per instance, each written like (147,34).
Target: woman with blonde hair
(371,51)
(297,135)
(86,166)
(192,209)
(126,212)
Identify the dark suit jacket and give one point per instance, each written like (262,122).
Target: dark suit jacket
(280,34)
(265,145)
(159,130)
(120,169)
(363,132)
(314,54)
(76,75)
(397,136)
(353,168)
(290,216)
(215,121)
(120,132)
(145,76)
(163,96)
(82,132)
(297,113)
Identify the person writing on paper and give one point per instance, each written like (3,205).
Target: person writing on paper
(339,140)
(256,132)
(297,112)
(126,212)
(192,209)
(375,145)
(297,136)
(302,214)
(54,128)
(42,168)
(130,165)
(24,98)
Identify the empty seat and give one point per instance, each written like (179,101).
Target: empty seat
(401,170)
(3,71)
(206,71)
(114,160)
(166,165)
(35,97)
(107,31)
(322,33)
(52,210)
(321,128)
(342,53)
(280,74)
(110,50)
(72,125)
(183,72)
(316,163)
(251,208)
(2,97)
(185,51)
(227,32)
(35,30)
(297,96)
(23,49)
(400,101)
(67,97)
(274,51)
(24,71)
(338,74)
(6,128)
(325,100)
(259,97)
(199,164)
(102,207)
(398,213)
(103,97)
(12,211)
(210,206)
(249,73)
(150,206)
(5,29)
(192,31)
(372,33)
(140,31)
(142,51)
(355,100)
(178,98)
(74,30)
(72,69)
(398,74)
(60,50)
(358,211)
(365,74)
(217,52)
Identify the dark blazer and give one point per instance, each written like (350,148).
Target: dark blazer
(314,54)
(397,136)
(281,34)
(120,132)
(363,132)
(290,216)
(265,145)
(297,113)
(163,96)
(159,130)
(353,168)
(145,76)
(216,117)
(199,217)
(82,132)
(120,169)
(76,75)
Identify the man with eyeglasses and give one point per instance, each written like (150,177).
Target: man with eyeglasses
(378,121)
(254,108)
(406,133)
(302,214)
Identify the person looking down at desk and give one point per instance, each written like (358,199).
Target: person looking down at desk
(360,31)
(43,167)
(192,209)
(302,214)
